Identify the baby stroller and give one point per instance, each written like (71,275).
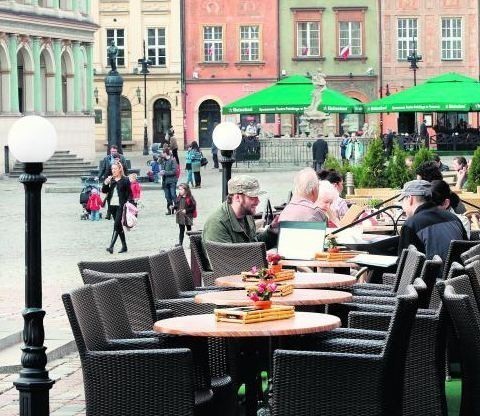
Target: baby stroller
(89,184)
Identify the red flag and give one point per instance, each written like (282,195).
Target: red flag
(345,52)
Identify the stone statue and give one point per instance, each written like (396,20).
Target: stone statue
(319,85)
(304,126)
(112,53)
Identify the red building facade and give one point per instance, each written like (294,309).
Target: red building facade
(230,49)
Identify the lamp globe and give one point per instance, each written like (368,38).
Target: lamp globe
(227,136)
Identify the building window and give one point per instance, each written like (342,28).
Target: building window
(156,46)
(350,35)
(308,39)
(213,43)
(451,38)
(249,43)
(407,35)
(118,36)
(126,119)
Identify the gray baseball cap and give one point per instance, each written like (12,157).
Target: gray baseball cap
(417,187)
(244,184)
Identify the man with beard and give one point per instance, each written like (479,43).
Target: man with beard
(233,221)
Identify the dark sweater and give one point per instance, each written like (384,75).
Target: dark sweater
(431,230)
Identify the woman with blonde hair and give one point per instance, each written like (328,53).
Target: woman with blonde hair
(326,195)
(117,188)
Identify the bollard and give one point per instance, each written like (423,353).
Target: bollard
(349,183)
(6,159)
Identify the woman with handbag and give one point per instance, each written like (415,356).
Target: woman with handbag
(117,188)
(196,157)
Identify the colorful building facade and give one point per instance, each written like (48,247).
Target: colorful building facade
(46,50)
(129,24)
(341,38)
(446,35)
(230,50)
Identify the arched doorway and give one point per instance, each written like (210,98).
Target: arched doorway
(162,119)
(4,78)
(47,79)
(208,115)
(25,80)
(67,81)
(125,119)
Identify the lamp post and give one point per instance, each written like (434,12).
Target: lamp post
(32,140)
(227,137)
(145,63)
(414,58)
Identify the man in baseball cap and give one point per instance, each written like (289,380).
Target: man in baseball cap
(427,227)
(233,221)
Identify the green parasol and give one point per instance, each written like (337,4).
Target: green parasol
(447,92)
(289,96)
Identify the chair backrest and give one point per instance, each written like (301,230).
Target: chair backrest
(456,248)
(199,253)
(133,265)
(461,285)
(109,300)
(474,235)
(431,271)
(233,258)
(456,269)
(464,313)
(473,273)
(162,277)
(85,320)
(397,342)
(411,269)
(471,252)
(471,259)
(181,268)
(136,293)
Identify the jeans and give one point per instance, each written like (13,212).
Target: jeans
(170,192)
(94,215)
(198,178)
(189,177)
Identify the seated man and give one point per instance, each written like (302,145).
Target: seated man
(440,165)
(427,227)
(233,221)
(302,205)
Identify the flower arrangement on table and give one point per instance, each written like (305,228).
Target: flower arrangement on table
(273,260)
(262,293)
(264,273)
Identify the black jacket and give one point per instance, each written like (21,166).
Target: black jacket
(124,193)
(430,230)
(320,150)
(105,168)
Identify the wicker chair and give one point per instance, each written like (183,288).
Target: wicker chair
(470,253)
(233,258)
(464,314)
(457,247)
(200,260)
(111,377)
(346,383)
(183,274)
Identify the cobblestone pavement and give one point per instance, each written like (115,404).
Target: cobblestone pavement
(66,240)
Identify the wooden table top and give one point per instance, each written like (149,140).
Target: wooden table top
(297,298)
(301,281)
(316,263)
(207,326)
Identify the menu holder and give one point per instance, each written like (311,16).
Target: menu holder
(252,314)
(337,256)
(280,276)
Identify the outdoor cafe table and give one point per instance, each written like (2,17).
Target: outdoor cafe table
(301,281)
(299,297)
(207,326)
(319,265)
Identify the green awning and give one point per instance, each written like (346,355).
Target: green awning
(447,92)
(289,96)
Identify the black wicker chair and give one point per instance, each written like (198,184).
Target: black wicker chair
(200,260)
(464,314)
(128,382)
(468,255)
(457,247)
(347,383)
(233,258)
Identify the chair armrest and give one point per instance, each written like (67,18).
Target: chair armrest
(353,346)
(372,286)
(137,344)
(375,300)
(184,306)
(388,279)
(369,292)
(164,314)
(367,320)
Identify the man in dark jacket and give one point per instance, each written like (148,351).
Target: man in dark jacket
(320,152)
(106,163)
(427,227)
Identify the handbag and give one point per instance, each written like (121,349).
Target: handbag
(203,161)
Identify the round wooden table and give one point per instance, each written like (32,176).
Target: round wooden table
(251,334)
(299,297)
(301,281)
(319,265)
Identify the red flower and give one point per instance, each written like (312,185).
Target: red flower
(273,258)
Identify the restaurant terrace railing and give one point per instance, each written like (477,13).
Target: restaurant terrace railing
(286,151)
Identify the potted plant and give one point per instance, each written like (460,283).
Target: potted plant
(262,294)
(273,260)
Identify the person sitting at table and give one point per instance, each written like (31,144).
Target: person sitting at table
(460,166)
(429,171)
(233,221)
(445,199)
(305,193)
(438,162)
(339,205)
(427,227)
(326,195)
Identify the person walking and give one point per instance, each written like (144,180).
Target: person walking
(424,136)
(174,145)
(106,163)
(343,147)
(196,156)
(215,156)
(117,188)
(188,166)
(186,210)
(169,182)
(319,152)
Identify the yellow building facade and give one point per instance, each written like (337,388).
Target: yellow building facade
(131,24)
